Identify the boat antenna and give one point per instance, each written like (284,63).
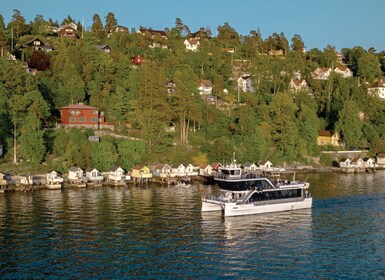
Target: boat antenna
(306,178)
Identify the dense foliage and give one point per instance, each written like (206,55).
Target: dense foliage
(270,122)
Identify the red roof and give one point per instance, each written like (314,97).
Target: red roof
(79,107)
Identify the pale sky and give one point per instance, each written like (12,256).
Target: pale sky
(341,23)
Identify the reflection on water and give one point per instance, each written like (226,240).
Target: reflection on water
(160,232)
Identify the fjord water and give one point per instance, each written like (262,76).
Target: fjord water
(159,232)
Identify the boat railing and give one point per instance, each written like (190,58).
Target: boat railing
(220,175)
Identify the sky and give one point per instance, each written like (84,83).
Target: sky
(340,23)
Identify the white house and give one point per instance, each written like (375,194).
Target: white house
(298,85)
(205,169)
(178,170)
(380,159)
(378,88)
(249,167)
(162,170)
(321,73)
(265,165)
(93,175)
(345,163)
(54,178)
(369,162)
(244,83)
(189,169)
(117,174)
(205,87)
(357,162)
(191,44)
(26,179)
(344,71)
(75,174)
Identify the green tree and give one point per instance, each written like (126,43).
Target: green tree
(17,24)
(131,153)
(97,27)
(369,67)
(297,44)
(349,124)
(103,155)
(111,23)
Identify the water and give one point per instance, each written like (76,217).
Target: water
(159,232)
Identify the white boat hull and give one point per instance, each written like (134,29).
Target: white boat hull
(233,209)
(55,186)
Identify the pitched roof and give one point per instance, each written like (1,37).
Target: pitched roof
(206,83)
(79,107)
(326,133)
(298,82)
(153,32)
(378,84)
(74,169)
(114,168)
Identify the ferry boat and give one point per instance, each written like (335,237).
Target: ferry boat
(246,194)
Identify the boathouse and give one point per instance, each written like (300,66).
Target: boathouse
(141,174)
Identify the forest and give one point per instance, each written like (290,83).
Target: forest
(271,121)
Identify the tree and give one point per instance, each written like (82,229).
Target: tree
(131,153)
(38,26)
(97,27)
(39,60)
(297,44)
(111,23)
(17,24)
(3,39)
(103,155)
(369,66)
(349,124)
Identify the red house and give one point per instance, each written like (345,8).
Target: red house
(81,115)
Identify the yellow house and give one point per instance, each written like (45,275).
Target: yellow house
(327,137)
(141,172)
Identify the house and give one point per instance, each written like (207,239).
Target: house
(249,167)
(216,166)
(327,137)
(104,48)
(276,52)
(81,115)
(178,170)
(27,179)
(191,44)
(380,160)
(93,138)
(137,60)
(378,89)
(141,171)
(93,175)
(54,178)
(265,165)
(37,45)
(244,83)
(117,174)
(118,29)
(189,170)
(340,58)
(68,31)
(162,170)
(298,85)
(345,163)
(205,169)
(321,73)
(152,33)
(5,179)
(357,162)
(344,71)
(75,174)
(205,87)
(369,162)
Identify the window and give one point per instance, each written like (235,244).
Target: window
(72,120)
(74,113)
(94,112)
(81,119)
(95,120)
